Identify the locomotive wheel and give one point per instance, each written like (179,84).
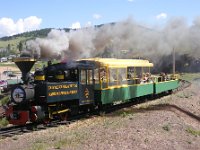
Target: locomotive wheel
(63,116)
(46,121)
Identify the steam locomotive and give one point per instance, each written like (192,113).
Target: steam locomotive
(63,89)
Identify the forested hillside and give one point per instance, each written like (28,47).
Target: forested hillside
(13,44)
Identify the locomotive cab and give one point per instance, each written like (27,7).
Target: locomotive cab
(71,81)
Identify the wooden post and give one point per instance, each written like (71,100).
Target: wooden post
(174,63)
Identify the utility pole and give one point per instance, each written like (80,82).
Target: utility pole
(174,62)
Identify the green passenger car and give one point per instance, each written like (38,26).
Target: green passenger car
(166,86)
(120,80)
(123,93)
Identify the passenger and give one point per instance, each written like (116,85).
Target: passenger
(163,76)
(129,76)
(143,79)
(168,77)
(102,75)
(149,79)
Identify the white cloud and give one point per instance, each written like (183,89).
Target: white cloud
(88,24)
(76,25)
(32,22)
(161,16)
(130,0)
(97,16)
(8,27)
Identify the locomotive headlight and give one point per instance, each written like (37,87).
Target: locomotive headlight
(22,94)
(18,95)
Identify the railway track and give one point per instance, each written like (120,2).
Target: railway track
(14,130)
(17,130)
(30,127)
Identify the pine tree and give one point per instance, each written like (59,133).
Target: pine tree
(20,46)
(8,49)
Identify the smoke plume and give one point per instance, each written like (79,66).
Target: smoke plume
(126,39)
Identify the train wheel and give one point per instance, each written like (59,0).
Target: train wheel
(46,121)
(63,116)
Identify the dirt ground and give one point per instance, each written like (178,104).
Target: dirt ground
(169,123)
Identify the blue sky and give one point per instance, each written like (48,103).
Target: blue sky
(21,15)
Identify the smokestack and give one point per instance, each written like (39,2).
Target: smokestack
(24,64)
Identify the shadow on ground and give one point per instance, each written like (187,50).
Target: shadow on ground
(167,107)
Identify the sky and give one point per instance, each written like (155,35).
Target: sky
(17,16)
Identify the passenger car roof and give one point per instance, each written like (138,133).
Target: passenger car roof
(119,63)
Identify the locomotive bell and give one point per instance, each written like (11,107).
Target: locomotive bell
(24,64)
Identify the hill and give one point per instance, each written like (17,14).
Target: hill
(12,42)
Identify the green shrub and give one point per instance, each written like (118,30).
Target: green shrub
(3,122)
(193,132)
(166,127)
(4,100)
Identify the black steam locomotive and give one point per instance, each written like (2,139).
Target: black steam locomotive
(52,92)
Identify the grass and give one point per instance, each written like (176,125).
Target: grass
(166,127)
(3,122)
(193,132)
(190,76)
(124,113)
(39,146)
(13,42)
(4,100)
(5,64)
